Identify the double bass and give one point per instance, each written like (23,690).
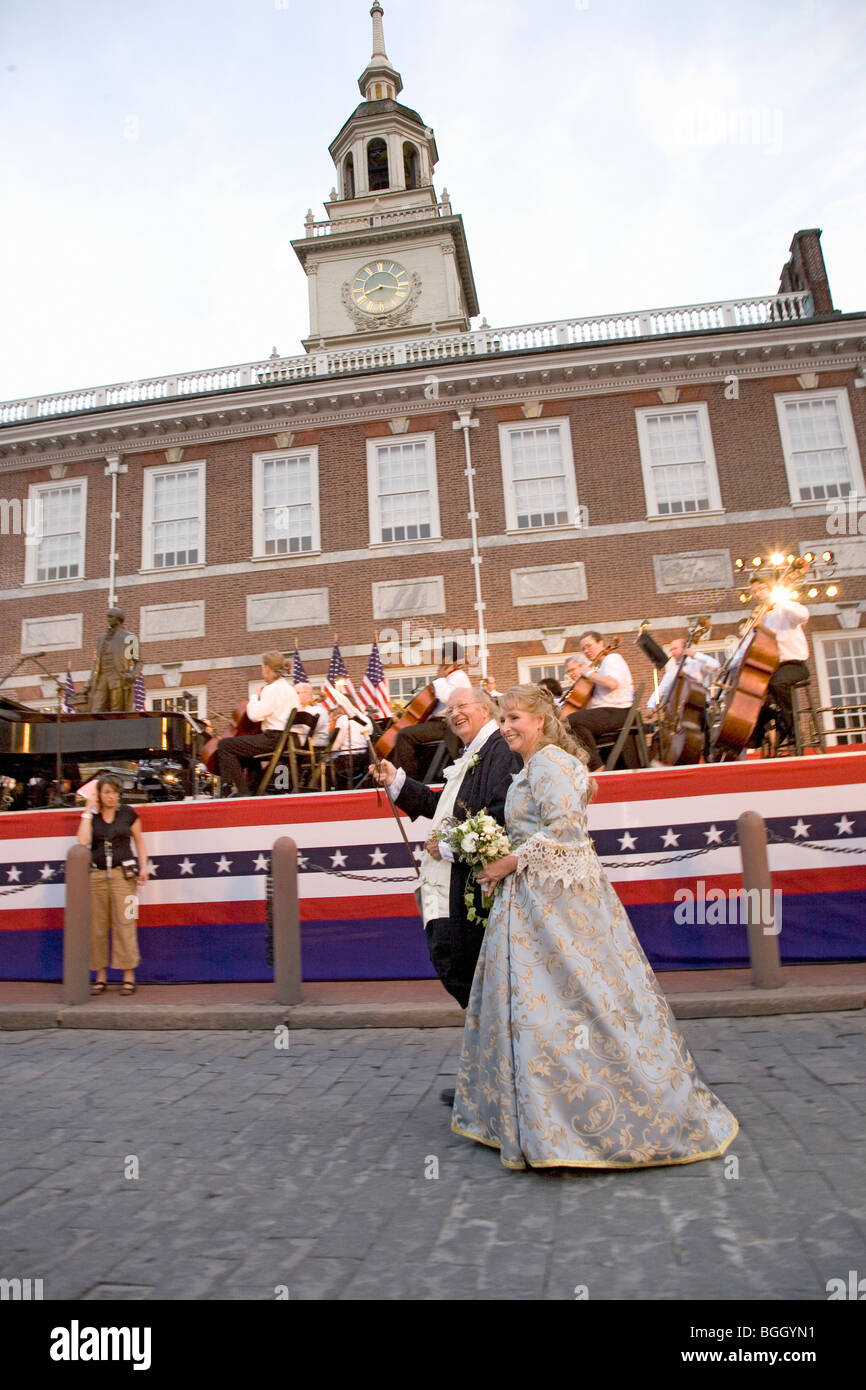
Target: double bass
(680,727)
(744,680)
(580,693)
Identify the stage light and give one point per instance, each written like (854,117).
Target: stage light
(832,591)
(744,598)
(794,593)
(756,562)
(827,556)
(777,558)
(739,563)
(790,559)
(813,593)
(808,557)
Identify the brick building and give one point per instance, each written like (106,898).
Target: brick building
(409,474)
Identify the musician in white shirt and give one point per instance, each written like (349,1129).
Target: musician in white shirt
(786,620)
(410,741)
(270,707)
(608,705)
(698,666)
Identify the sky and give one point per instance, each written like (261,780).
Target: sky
(157,160)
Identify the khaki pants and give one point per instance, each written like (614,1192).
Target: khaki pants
(114,904)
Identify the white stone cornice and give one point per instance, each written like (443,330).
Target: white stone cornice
(563,373)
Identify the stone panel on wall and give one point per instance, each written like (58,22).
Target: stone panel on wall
(409,598)
(693,569)
(289,608)
(549,584)
(59,633)
(171,622)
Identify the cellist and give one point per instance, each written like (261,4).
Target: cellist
(450,676)
(698,666)
(611,699)
(786,619)
(270,707)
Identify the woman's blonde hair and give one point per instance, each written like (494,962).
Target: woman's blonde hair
(536,699)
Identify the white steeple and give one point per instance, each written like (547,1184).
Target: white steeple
(379,81)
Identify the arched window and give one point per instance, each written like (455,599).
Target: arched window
(411,166)
(377,165)
(348,177)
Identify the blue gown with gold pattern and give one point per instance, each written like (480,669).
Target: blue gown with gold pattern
(571,1056)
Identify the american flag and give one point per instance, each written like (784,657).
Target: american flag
(138,700)
(374,687)
(299,674)
(337,671)
(68,694)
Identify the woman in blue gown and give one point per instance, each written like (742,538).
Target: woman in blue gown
(571,1055)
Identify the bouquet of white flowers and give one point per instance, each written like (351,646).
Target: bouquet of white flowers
(476,841)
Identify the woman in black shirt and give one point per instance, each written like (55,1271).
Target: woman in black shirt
(106,826)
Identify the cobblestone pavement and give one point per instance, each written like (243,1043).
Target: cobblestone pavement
(265,1172)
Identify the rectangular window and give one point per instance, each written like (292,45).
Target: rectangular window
(538,475)
(193,701)
(820,449)
(531,672)
(403,687)
(173,521)
(844,675)
(679,467)
(286,503)
(55,547)
(401,479)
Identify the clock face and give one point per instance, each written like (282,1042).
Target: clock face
(380,286)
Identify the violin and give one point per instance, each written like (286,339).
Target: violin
(578,696)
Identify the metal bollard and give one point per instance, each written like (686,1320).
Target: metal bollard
(763,946)
(76,926)
(287,927)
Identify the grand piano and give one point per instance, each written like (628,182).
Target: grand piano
(28,741)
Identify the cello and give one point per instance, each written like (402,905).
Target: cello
(238,724)
(680,725)
(580,693)
(743,682)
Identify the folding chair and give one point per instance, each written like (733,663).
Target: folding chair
(303,755)
(631,728)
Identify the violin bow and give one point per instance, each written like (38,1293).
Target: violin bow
(377,761)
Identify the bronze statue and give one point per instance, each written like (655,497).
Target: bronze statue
(115,667)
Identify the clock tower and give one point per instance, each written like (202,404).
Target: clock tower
(391,261)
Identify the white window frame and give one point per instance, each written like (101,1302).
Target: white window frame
(525,664)
(699,408)
(506,430)
(259,553)
(373,445)
(843,405)
(819,639)
(147,521)
(176,692)
(420,675)
(32,549)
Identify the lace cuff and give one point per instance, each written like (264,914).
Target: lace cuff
(574,866)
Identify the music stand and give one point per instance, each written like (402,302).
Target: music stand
(651,650)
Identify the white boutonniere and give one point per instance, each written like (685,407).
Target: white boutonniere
(473,762)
